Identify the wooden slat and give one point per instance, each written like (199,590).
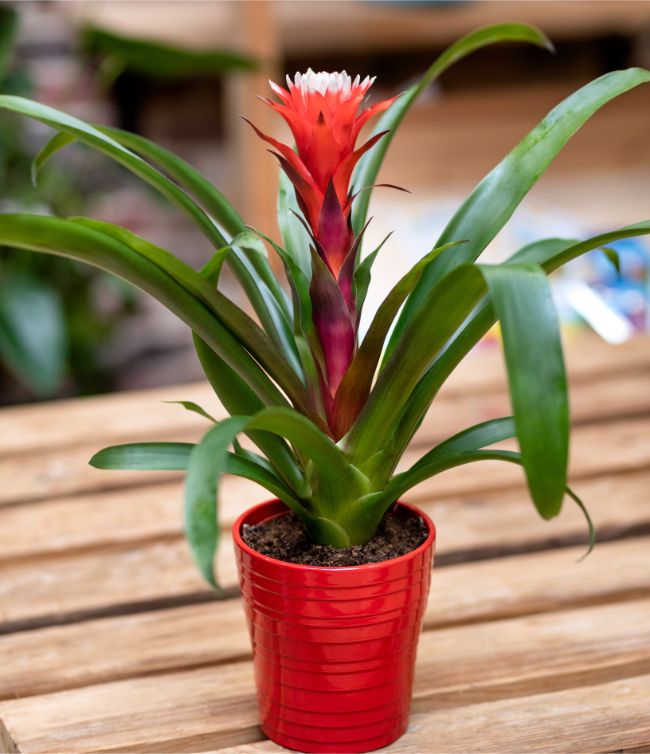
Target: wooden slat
(58,584)
(43,426)
(498,521)
(598,449)
(609,717)
(165,669)
(139,415)
(93,651)
(604,398)
(595,449)
(192,710)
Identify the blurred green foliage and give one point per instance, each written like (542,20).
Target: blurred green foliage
(51,326)
(157,60)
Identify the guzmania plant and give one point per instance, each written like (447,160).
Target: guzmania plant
(331,413)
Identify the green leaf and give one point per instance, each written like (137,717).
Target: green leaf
(524,306)
(98,140)
(253,250)
(158,60)
(65,238)
(336,480)
(300,289)
(211,270)
(521,297)
(194,408)
(613,257)
(246,330)
(333,479)
(249,264)
(294,236)
(144,456)
(207,463)
(369,510)
(252,269)
(550,254)
(175,456)
(432,464)
(238,398)
(496,197)
(590,523)
(362,277)
(58,142)
(446,307)
(273,316)
(33,342)
(353,391)
(370,163)
(476,437)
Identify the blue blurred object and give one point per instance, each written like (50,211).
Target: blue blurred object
(626,293)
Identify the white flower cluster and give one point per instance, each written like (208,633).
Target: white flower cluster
(323,81)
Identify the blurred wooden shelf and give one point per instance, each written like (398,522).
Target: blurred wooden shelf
(319,26)
(461,136)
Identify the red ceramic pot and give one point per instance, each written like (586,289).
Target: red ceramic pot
(333,647)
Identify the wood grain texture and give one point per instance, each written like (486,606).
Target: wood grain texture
(624,445)
(211,706)
(479,521)
(95,651)
(608,717)
(60,589)
(524,650)
(139,415)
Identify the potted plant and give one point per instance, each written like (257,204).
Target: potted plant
(335,571)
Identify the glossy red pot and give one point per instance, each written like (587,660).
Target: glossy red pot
(334,647)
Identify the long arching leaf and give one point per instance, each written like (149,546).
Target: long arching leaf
(94,138)
(175,456)
(240,399)
(370,163)
(252,268)
(496,197)
(144,456)
(53,235)
(242,326)
(537,380)
(433,463)
(550,254)
(337,482)
(371,509)
(355,387)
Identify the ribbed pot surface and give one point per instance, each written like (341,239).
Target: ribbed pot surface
(333,647)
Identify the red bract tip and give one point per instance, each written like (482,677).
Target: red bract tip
(325,115)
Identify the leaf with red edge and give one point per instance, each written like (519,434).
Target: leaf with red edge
(334,234)
(346,274)
(332,322)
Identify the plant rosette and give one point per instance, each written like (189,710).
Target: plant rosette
(329,413)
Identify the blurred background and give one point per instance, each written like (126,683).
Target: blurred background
(181,72)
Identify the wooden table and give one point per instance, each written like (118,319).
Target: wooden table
(111,643)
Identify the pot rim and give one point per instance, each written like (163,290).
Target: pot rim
(239,542)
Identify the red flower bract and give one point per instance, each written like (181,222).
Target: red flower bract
(323,111)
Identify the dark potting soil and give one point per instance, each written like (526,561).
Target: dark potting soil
(285,538)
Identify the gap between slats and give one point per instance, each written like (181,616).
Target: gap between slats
(28,429)
(79,654)
(566,653)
